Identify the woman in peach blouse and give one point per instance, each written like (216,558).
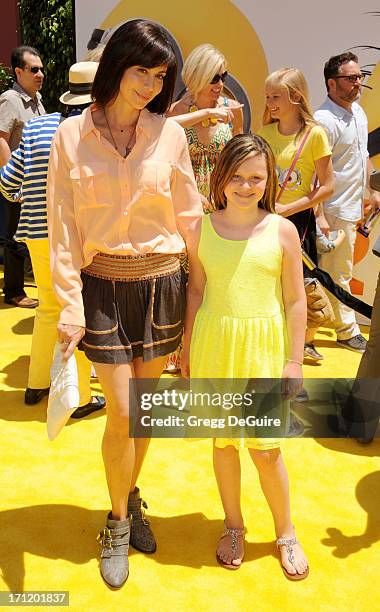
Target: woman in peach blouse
(121,197)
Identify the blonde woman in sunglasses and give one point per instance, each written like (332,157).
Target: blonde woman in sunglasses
(209,117)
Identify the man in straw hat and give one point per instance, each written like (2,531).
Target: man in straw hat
(26,173)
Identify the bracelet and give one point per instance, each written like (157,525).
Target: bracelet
(295,361)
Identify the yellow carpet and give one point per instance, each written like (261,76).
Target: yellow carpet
(54,500)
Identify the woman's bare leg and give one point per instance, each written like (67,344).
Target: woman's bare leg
(118,448)
(147,369)
(123,456)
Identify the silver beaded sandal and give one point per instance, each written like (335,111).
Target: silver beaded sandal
(234,534)
(289,543)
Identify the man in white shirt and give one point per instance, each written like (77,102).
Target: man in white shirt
(347,129)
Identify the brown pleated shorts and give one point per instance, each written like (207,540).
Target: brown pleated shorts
(134,307)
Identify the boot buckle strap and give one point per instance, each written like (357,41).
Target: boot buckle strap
(139,510)
(105,538)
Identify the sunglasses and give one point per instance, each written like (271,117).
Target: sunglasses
(219,77)
(351,77)
(35,69)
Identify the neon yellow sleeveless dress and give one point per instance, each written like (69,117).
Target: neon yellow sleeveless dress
(239,330)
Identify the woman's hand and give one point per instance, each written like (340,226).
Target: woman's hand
(69,336)
(207,207)
(281,209)
(185,363)
(291,380)
(223,114)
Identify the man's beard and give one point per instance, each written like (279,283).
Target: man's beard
(351,97)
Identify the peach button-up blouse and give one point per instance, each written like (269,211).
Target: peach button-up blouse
(100,202)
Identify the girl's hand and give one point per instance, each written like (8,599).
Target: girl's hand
(185,363)
(291,380)
(322,224)
(69,337)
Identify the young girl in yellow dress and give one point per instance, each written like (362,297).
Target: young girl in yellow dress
(245,318)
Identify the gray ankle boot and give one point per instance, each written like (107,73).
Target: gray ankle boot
(142,537)
(114,539)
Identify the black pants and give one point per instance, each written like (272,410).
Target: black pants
(14,253)
(305,224)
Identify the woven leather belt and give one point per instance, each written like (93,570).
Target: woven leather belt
(128,268)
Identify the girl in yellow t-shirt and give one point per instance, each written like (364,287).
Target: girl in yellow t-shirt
(287,118)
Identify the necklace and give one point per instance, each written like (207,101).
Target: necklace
(205,122)
(128,149)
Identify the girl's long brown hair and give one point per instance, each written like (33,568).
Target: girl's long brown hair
(232,156)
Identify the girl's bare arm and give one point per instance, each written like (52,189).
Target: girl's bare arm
(325,189)
(294,299)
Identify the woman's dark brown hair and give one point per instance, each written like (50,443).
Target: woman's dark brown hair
(232,156)
(135,43)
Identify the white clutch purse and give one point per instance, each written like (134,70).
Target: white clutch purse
(64,392)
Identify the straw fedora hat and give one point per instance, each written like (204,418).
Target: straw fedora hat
(81,78)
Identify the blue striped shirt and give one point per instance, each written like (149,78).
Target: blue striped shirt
(26,173)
